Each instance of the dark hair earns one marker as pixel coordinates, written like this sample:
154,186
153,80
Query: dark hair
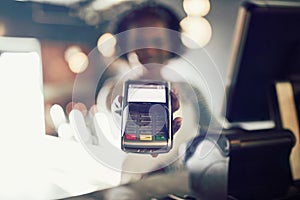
153,10
134,19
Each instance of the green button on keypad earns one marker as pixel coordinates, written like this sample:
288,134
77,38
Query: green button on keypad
160,137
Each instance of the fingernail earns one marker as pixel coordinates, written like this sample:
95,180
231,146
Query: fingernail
179,121
173,90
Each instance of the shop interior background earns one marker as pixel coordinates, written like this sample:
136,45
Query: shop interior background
59,25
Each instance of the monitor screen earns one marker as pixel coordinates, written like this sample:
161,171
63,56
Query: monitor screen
266,49
147,93
21,86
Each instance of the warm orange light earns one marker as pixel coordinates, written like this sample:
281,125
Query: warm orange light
71,51
197,31
106,44
2,29
78,62
196,7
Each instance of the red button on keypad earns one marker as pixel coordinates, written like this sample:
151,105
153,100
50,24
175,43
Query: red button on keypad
130,137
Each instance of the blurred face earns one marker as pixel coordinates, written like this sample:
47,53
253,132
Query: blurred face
154,38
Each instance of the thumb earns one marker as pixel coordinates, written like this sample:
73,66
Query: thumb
116,105
77,122
116,110
57,115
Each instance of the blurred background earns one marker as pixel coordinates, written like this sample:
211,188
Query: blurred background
69,30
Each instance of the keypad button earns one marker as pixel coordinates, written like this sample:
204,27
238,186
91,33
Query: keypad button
131,124
130,136
146,137
160,137
146,132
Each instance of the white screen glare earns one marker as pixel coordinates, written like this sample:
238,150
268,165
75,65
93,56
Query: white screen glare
21,94
147,93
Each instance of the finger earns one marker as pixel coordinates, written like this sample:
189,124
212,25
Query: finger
69,107
120,99
176,124
77,121
116,103
116,106
175,100
154,155
57,115
81,107
65,131
93,110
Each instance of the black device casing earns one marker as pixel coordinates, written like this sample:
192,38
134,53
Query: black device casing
140,143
